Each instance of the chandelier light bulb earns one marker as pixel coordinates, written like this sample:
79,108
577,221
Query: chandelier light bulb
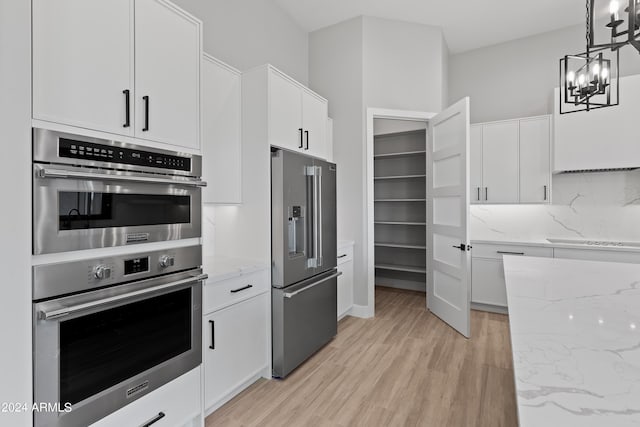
571,77
581,79
596,69
604,73
614,7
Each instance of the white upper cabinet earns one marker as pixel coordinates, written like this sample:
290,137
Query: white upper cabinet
125,67
297,116
535,145
221,137
600,139
83,63
476,190
510,161
314,123
500,162
285,113
168,54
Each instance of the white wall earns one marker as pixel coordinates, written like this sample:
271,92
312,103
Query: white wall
378,63
248,33
403,66
516,78
15,227
594,206
335,71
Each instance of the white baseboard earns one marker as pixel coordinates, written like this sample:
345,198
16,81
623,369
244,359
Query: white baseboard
345,313
236,390
363,311
490,308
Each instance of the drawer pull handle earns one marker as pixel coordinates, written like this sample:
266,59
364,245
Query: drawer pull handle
510,253
342,256
213,334
154,420
233,291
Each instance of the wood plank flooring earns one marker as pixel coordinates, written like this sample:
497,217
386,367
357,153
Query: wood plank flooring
405,367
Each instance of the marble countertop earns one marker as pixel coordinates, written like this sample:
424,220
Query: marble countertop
626,247
223,268
575,335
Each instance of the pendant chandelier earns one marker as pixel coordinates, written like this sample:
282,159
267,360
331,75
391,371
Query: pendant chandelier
589,80
620,31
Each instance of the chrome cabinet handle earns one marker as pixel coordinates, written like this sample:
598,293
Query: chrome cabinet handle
478,193
127,112
94,175
293,294
62,312
545,193
342,256
146,113
154,420
306,132
301,138
510,253
486,194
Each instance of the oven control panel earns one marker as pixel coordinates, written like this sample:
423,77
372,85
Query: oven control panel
136,265
73,149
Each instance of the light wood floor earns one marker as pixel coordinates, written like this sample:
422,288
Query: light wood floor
404,367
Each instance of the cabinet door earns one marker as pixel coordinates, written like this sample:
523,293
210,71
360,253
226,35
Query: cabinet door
238,335
534,160
285,113
221,138
477,192
314,123
345,288
488,283
168,54
83,63
500,162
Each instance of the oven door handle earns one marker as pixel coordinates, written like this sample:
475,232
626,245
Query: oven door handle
62,312
68,174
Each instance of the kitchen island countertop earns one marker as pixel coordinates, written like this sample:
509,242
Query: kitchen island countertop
575,335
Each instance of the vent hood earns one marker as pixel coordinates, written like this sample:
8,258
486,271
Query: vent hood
606,139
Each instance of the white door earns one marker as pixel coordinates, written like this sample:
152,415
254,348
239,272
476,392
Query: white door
535,167
314,123
500,162
168,54
477,191
285,113
83,63
448,256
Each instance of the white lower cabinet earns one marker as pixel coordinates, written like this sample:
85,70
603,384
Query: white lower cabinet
488,287
235,345
176,404
345,281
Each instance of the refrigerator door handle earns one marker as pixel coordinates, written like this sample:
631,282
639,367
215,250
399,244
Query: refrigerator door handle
293,294
312,258
319,234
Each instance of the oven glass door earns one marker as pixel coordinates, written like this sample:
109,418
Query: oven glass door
79,210
102,349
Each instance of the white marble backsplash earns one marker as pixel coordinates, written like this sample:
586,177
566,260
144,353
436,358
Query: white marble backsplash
595,206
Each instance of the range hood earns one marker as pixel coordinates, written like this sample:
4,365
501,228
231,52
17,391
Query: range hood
600,140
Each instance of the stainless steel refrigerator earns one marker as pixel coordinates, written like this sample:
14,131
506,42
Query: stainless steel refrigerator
303,252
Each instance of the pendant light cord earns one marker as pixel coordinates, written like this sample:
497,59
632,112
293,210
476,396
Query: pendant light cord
588,25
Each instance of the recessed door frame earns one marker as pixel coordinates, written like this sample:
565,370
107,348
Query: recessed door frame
372,114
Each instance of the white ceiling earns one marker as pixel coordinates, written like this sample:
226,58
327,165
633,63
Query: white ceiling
467,24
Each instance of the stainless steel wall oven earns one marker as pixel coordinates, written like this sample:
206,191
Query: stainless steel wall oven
108,331
93,193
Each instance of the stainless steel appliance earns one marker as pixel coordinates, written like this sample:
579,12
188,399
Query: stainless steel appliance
304,274
93,193
108,331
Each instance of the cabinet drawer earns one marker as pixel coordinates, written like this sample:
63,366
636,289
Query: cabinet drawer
226,292
598,255
487,282
345,254
497,251
178,400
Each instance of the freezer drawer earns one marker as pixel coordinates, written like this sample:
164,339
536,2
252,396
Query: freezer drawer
304,320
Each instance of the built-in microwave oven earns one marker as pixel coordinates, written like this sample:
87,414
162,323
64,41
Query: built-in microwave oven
94,193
